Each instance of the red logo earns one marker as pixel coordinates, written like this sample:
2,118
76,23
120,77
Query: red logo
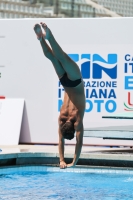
130,105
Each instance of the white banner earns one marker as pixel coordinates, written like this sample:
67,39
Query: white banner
103,50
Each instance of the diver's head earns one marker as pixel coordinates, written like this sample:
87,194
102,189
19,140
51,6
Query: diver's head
67,130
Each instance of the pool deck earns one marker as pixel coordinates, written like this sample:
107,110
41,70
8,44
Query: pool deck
48,155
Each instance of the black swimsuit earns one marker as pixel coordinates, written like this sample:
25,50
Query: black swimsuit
66,82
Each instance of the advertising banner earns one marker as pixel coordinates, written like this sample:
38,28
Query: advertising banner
108,82
102,48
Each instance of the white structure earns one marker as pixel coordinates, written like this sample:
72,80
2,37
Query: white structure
121,7
85,8
11,112
101,9
21,9
65,8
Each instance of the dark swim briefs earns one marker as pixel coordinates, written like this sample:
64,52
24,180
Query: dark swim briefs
66,82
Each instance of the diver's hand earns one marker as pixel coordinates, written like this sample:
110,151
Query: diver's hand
70,165
63,165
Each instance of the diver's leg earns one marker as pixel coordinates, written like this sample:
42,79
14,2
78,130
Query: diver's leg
48,52
67,63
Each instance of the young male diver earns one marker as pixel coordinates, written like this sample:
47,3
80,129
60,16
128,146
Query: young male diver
72,111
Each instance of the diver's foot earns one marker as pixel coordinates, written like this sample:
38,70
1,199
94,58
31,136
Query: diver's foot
38,31
47,31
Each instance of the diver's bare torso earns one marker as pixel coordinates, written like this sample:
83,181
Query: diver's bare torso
73,105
